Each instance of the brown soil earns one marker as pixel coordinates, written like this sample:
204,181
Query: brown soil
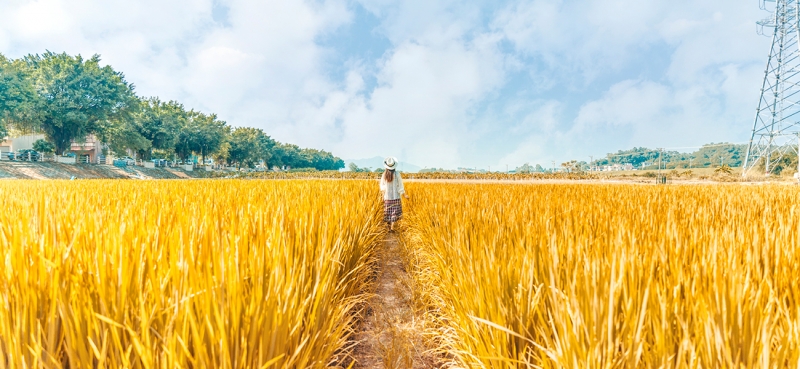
178,173
49,170
390,334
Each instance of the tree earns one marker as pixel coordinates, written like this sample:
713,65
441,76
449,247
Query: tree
707,156
266,147
571,166
248,146
338,163
159,123
287,154
724,169
68,98
243,146
636,156
44,146
76,97
354,168
17,96
202,134
293,156
122,135
712,154
321,160
525,168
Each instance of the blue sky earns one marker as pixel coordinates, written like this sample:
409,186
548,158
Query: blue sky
435,83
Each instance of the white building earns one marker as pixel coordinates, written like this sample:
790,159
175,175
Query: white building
90,147
24,142
617,167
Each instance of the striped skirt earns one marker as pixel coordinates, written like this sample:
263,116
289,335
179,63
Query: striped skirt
392,210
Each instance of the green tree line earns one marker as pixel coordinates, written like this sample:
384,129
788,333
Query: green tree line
68,98
708,156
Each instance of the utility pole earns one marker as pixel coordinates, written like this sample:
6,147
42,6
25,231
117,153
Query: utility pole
591,160
554,166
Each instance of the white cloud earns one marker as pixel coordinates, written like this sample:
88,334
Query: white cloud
4,40
43,18
420,110
584,38
260,69
707,93
80,24
645,113
424,20
597,75
628,103
539,128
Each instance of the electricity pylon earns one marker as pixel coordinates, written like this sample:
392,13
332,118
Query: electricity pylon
777,123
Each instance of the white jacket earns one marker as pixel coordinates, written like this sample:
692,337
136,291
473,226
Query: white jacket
392,190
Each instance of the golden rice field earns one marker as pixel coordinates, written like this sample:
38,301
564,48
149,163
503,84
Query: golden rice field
272,274
182,274
444,176
608,276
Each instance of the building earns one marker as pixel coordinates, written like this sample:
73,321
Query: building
617,167
88,150
24,142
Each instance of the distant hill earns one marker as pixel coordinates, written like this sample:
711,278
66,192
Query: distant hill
377,162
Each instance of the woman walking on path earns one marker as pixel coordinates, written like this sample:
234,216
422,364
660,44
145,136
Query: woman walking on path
392,188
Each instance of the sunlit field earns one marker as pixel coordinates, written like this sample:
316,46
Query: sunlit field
276,273
608,276
182,274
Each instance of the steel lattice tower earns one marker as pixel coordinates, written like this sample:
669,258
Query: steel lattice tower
777,123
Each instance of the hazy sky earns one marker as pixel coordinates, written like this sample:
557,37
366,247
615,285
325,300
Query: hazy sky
435,83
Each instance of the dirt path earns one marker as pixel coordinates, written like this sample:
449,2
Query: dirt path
178,173
390,335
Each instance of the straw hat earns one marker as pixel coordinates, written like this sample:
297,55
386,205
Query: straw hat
390,163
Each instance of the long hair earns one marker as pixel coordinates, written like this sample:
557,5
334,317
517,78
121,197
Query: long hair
388,175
